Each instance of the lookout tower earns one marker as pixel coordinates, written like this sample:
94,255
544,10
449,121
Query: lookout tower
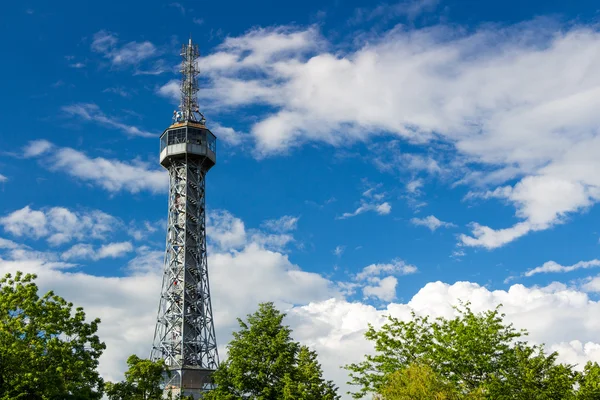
185,333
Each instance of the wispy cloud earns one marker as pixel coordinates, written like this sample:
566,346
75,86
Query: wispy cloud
284,224
396,267
83,251
371,201
381,209
117,90
36,148
132,53
551,266
339,250
431,222
91,112
387,11
3,178
77,65
474,91
179,7
110,174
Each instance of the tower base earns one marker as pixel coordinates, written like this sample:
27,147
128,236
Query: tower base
188,382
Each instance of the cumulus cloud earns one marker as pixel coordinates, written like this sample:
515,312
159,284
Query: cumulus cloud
384,288
517,102
58,224
318,312
431,222
226,231
91,112
110,174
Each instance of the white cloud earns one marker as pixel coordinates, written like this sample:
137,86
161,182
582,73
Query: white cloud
228,233
83,251
396,267
371,201
489,238
58,224
8,244
381,209
110,174
91,112
339,250
284,224
515,102
551,266
3,178
225,230
564,319
139,233
592,285
37,147
227,134
384,289
131,53
431,222
77,65
413,186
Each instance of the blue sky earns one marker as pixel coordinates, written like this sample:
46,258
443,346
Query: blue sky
366,150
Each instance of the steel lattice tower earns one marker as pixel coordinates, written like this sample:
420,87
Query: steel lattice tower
185,333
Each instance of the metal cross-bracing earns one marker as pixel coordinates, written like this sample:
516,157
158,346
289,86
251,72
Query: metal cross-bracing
189,83
185,334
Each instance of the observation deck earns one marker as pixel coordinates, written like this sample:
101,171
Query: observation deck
188,139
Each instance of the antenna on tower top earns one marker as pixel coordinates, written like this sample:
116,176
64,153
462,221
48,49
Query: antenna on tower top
188,108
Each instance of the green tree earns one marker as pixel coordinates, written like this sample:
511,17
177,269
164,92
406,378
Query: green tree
265,363
306,381
589,382
142,381
47,350
416,382
473,352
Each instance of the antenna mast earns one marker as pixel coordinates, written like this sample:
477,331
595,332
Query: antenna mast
189,84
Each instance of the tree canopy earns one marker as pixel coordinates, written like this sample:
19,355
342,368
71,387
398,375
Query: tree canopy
47,349
265,363
143,380
469,355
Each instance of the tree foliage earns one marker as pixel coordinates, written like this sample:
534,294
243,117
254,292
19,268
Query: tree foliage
142,381
265,363
477,354
420,382
47,350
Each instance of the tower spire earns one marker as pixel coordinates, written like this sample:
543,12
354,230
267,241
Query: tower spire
188,108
